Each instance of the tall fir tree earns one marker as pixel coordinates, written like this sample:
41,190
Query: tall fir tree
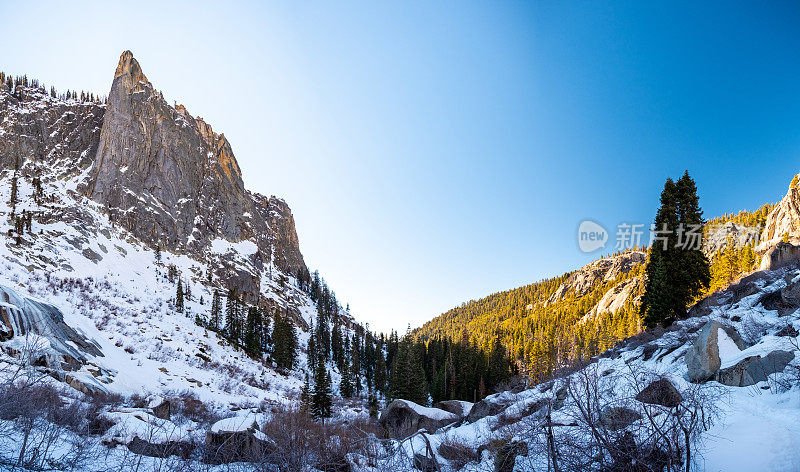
216,311
252,332
179,297
322,400
677,271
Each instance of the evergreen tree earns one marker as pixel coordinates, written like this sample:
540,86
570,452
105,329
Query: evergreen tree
306,396
346,387
284,351
677,271
407,379
252,336
380,372
322,399
233,325
216,308
179,297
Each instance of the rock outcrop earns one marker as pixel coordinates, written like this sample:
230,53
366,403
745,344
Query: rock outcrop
65,347
603,270
783,221
780,255
403,418
173,182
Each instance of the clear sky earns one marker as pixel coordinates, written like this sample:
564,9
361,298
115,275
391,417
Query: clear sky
434,151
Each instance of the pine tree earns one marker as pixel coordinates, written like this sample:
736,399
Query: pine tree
322,399
284,342
252,336
346,384
179,297
380,372
232,317
216,308
676,272
306,396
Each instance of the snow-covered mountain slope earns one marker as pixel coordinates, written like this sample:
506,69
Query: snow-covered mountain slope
743,415
97,226
109,285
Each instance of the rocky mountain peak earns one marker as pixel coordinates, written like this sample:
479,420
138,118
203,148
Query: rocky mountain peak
129,73
173,182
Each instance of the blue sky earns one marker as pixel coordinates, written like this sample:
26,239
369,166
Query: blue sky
435,152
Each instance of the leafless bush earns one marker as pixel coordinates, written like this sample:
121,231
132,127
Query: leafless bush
457,453
601,429
39,426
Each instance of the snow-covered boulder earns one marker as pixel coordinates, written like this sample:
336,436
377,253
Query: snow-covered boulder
403,418
703,358
459,408
237,439
160,407
754,369
142,433
490,406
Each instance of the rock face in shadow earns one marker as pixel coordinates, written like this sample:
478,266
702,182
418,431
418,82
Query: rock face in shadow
64,347
173,182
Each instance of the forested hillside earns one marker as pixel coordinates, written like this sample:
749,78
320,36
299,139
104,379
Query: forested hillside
551,323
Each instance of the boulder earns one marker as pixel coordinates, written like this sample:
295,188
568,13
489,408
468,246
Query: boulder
457,407
788,331
505,454
702,359
615,418
754,369
160,407
790,294
661,392
489,406
170,448
403,418
236,439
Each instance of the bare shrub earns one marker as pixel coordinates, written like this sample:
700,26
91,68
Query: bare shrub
457,453
611,431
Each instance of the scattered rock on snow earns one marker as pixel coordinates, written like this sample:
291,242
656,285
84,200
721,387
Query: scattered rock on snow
661,392
788,331
425,463
160,407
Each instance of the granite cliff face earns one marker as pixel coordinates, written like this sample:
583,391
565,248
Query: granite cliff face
158,172
173,182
